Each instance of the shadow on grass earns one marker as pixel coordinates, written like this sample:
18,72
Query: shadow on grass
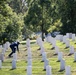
42,61
70,54
61,70
25,50
25,61
63,43
58,61
32,42
25,70
55,54
44,69
40,55
0,68
74,61
38,48
66,47
75,43
12,69
52,48
25,55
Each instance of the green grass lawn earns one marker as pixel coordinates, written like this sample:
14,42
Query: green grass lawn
37,65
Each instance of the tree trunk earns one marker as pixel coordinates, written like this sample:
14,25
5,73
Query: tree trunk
42,30
42,26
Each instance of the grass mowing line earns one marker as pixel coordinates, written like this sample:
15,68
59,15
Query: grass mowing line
21,67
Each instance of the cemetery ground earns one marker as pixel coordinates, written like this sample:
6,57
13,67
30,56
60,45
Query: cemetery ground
37,65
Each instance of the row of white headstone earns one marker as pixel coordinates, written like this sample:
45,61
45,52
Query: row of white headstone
71,50
13,61
64,39
66,68
62,67
67,36
3,49
47,67
60,54
29,57
46,62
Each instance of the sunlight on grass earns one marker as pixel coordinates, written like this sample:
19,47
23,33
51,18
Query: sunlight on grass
37,65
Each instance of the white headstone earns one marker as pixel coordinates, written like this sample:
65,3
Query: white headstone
42,50
4,50
44,56
1,47
41,44
29,70
70,35
64,39
2,57
62,65
28,42
15,56
46,63
75,56
4,46
67,34
7,45
71,49
61,38
73,37
49,39
60,56
29,62
48,70
57,37
29,53
0,64
54,42
28,50
67,43
56,49
68,70
13,64
39,41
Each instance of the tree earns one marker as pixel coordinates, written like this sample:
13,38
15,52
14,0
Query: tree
67,9
10,24
36,15
43,15
18,6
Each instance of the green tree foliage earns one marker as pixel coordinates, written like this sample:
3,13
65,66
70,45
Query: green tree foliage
40,15
36,15
67,10
43,16
18,6
10,24
54,16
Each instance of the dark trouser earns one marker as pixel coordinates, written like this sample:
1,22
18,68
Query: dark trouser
13,51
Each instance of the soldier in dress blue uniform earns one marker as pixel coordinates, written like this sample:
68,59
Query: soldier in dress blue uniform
14,47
